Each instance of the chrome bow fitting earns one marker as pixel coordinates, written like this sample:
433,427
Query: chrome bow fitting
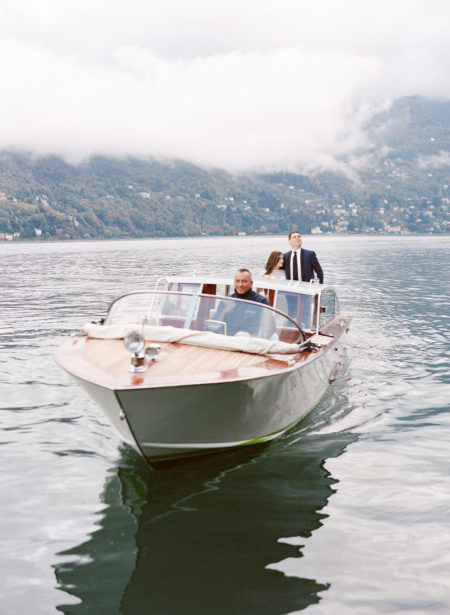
134,343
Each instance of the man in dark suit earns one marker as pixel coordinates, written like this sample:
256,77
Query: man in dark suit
301,264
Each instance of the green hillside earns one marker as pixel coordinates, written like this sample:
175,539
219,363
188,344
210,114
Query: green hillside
402,187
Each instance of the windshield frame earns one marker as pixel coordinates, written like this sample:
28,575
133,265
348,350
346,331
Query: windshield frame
191,313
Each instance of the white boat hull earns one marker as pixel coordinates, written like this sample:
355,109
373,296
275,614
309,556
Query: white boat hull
193,388
176,421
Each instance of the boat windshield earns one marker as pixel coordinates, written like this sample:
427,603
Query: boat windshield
200,312
300,307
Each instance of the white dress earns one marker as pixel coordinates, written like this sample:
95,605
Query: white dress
277,274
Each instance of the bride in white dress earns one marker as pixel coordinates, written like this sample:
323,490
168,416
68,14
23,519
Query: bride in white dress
274,266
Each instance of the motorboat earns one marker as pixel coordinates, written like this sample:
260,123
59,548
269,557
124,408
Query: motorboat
185,368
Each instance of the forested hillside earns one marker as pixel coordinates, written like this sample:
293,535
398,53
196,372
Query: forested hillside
400,185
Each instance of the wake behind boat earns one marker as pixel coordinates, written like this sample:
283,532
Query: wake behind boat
186,369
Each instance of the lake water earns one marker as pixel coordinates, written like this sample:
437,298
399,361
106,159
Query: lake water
349,513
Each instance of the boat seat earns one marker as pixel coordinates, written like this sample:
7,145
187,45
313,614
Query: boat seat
288,335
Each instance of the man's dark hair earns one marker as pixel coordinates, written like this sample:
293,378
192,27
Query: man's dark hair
292,232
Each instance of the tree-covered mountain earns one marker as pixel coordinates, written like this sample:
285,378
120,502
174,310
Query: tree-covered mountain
397,184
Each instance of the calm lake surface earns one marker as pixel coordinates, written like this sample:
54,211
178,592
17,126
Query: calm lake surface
349,513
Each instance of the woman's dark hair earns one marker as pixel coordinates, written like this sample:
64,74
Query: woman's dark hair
272,261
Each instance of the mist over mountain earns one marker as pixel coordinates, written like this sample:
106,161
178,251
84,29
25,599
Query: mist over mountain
396,182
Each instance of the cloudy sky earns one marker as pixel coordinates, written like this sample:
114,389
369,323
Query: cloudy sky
240,84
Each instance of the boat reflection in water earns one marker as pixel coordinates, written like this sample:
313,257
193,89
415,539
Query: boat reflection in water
199,537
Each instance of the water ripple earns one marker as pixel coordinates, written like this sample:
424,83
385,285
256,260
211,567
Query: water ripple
346,513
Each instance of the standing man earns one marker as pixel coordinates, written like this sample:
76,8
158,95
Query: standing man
300,264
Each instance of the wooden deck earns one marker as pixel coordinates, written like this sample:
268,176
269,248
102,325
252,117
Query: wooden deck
106,363
112,357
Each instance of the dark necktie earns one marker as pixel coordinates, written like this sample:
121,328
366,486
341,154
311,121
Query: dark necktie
295,267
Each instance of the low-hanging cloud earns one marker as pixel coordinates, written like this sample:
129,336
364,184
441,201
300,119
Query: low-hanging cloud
240,85
436,161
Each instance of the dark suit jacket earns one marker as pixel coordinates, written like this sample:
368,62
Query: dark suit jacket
242,316
310,264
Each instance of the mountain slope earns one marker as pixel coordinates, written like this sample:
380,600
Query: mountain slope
398,184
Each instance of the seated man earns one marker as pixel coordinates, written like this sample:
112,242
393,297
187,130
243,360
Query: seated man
241,316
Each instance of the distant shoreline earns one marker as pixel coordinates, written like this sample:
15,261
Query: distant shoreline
247,236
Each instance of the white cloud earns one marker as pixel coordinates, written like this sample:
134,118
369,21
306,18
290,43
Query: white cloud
436,161
287,84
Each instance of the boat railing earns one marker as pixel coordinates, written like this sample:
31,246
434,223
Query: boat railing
203,312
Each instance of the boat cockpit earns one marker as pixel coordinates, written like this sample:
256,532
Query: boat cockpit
297,309
309,305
